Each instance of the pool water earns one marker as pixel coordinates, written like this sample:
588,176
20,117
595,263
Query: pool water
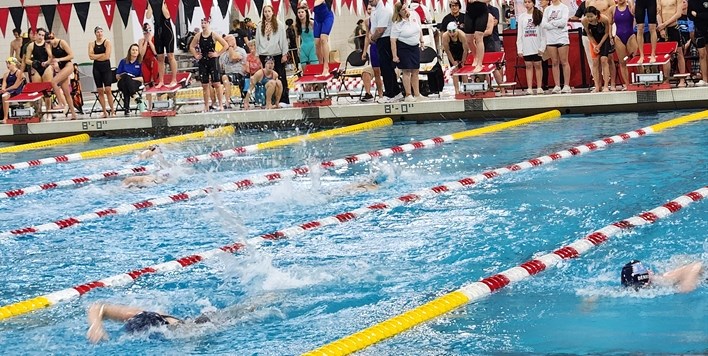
289,296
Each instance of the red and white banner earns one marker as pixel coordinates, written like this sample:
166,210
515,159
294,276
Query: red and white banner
109,10
64,11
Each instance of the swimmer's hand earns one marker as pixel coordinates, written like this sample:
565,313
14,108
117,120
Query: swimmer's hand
96,333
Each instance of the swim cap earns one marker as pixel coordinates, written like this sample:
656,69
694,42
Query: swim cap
144,321
452,26
269,59
634,274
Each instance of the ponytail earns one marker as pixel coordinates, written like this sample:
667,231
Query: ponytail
537,16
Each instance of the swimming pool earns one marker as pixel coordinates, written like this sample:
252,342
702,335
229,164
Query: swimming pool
334,281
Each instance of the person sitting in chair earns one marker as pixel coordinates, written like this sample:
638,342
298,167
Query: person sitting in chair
12,84
233,66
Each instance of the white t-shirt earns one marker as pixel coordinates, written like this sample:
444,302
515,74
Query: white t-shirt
407,32
555,24
382,17
529,37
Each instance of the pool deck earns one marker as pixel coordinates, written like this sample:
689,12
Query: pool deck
350,111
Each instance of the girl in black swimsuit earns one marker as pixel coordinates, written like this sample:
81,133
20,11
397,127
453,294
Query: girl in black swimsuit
60,57
100,53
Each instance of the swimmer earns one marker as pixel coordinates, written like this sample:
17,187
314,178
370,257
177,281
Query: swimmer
145,181
150,152
685,278
136,320
370,184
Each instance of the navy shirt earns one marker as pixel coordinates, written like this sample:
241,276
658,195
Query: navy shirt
495,12
130,68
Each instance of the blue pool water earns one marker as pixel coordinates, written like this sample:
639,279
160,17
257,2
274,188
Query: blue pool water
301,293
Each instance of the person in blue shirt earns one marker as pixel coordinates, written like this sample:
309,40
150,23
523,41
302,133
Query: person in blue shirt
129,75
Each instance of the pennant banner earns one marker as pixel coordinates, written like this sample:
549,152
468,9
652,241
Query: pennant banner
17,13
82,11
189,6
109,11
293,6
223,6
276,6
173,8
64,14
206,7
4,13
259,8
242,6
124,11
48,11
140,6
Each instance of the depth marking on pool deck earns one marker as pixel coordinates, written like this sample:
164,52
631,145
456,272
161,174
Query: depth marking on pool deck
477,290
124,279
216,155
116,150
267,178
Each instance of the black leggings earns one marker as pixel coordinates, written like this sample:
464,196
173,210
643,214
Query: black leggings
128,86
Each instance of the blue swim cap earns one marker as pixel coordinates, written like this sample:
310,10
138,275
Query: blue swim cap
144,321
380,178
634,274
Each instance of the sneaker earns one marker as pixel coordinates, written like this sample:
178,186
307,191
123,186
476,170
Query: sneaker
556,90
701,83
395,99
420,98
566,90
410,99
367,98
540,91
529,91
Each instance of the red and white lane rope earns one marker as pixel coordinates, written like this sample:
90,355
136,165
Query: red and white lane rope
237,185
43,161
493,283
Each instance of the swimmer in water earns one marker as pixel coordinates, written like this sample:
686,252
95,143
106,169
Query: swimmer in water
136,320
370,184
145,181
150,152
685,278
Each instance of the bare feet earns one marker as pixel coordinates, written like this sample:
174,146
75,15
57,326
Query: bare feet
160,85
173,83
477,68
652,58
594,91
104,115
641,58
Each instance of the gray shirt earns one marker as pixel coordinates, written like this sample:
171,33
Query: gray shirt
233,67
273,45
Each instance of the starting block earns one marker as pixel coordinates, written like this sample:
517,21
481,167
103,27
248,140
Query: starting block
26,107
313,85
479,86
168,107
651,76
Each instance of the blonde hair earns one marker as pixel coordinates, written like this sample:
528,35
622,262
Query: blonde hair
397,12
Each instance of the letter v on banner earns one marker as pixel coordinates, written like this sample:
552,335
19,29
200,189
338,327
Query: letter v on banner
109,10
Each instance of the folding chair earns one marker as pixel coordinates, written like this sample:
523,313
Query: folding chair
353,68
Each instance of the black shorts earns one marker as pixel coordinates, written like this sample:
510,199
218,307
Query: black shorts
102,74
533,58
701,37
557,45
674,35
476,17
164,38
209,71
490,45
642,6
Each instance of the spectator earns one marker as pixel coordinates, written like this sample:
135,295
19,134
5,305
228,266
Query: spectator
455,47
129,75
455,16
254,63
305,32
271,42
250,28
491,40
381,23
699,14
164,39
530,44
578,16
324,20
100,53
599,29
148,64
233,66
292,41
12,84
359,35
16,44
208,62
60,57
476,20
372,53
264,87
241,35
406,41
555,25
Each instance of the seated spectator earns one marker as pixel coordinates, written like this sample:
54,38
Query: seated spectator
254,62
233,66
12,84
129,75
265,86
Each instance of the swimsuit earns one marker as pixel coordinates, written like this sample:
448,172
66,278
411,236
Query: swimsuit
208,69
59,52
102,73
324,20
149,65
307,47
10,81
164,36
456,49
39,55
625,24
476,17
597,31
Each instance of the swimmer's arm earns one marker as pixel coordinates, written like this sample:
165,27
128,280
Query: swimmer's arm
685,278
99,311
